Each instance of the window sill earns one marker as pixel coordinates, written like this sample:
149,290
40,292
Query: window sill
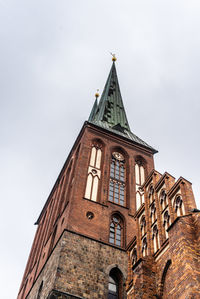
96,202
118,205
116,246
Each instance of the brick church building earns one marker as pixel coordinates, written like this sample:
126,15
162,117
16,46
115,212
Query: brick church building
113,226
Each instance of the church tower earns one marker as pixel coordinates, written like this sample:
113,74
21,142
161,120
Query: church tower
114,227
79,250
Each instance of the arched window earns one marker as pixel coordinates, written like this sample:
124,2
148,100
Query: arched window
163,199
115,284
179,206
134,256
139,180
117,179
166,222
151,192
153,212
94,173
144,247
139,172
163,283
143,226
155,238
116,231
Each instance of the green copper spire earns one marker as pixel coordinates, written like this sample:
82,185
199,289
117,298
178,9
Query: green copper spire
111,109
110,113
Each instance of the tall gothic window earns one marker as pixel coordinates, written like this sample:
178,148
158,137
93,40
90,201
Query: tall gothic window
139,180
179,206
94,173
166,222
144,247
151,193
116,231
155,238
115,284
117,179
163,199
153,212
143,226
134,256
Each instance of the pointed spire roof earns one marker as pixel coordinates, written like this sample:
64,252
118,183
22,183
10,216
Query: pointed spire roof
111,108
110,113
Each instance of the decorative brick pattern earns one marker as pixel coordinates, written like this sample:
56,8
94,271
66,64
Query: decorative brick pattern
174,271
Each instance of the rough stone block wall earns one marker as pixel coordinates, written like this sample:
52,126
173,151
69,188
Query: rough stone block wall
59,295
47,275
80,266
84,266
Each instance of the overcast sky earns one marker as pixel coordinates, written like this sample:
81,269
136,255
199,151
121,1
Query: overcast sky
54,54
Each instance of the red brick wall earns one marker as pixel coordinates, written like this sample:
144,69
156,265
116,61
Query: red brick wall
66,207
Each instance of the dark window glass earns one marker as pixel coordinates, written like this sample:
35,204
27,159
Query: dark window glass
116,231
122,173
117,179
121,195
112,288
116,192
111,195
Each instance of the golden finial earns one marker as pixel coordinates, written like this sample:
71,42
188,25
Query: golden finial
113,57
97,94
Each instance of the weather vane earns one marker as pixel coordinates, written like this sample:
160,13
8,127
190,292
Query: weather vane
113,57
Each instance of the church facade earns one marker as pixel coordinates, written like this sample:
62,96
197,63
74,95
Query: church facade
113,226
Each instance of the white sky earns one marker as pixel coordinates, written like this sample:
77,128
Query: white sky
53,56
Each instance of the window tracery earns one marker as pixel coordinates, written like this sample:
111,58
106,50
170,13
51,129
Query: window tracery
94,172
117,179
